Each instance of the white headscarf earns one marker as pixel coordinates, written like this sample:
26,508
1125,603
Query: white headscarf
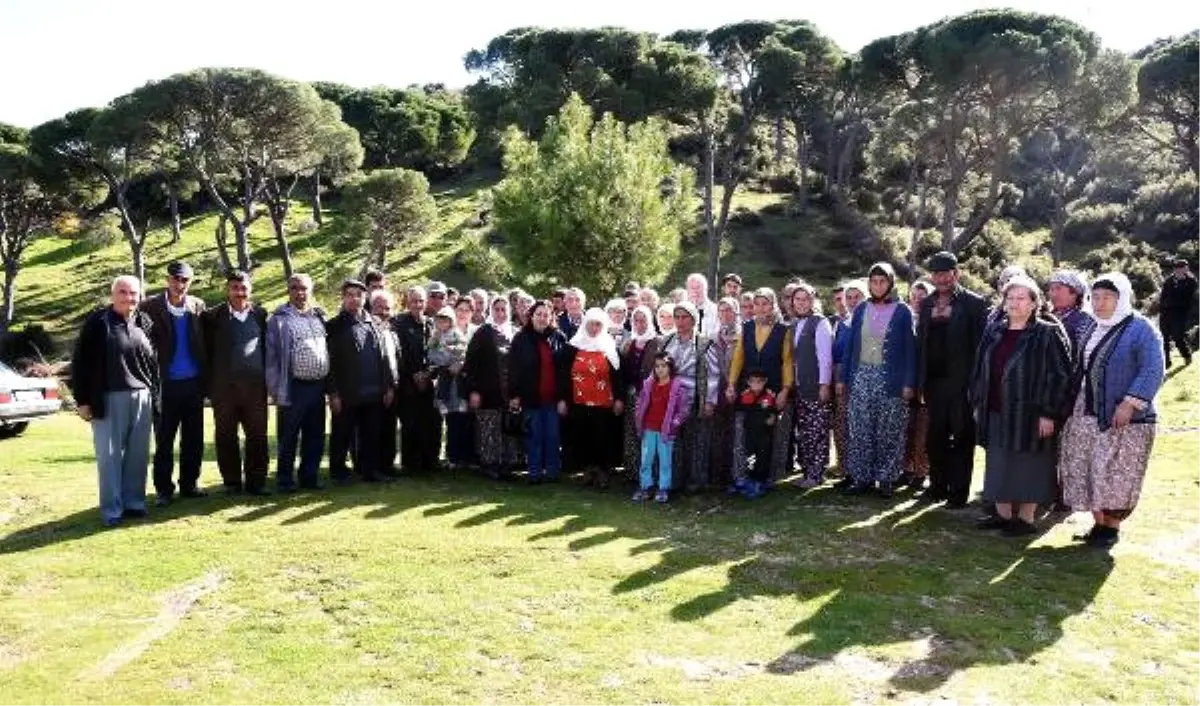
649,334
1124,299
602,343
505,329
668,308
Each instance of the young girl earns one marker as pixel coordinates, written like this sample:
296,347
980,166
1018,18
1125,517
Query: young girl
447,350
661,410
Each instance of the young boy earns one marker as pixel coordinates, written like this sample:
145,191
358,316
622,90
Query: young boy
758,416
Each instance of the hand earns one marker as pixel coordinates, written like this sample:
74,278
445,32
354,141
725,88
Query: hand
514,405
730,394
335,404
618,408
389,397
708,409
84,412
562,409
421,380
1123,415
474,400
823,393
781,401
455,369
841,389
907,394
1045,428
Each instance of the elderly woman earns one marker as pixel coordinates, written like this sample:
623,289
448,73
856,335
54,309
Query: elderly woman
637,362
534,362
485,380
725,341
916,459
766,347
1107,442
1022,372
746,307
696,366
666,319
594,397
853,294
879,372
648,298
812,357
460,436
617,313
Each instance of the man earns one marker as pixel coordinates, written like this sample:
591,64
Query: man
235,337
435,297
731,285
558,301
420,422
1175,304
114,379
839,306
697,364
697,294
632,302
362,381
949,328
571,319
179,344
382,305
479,306
375,280
297,367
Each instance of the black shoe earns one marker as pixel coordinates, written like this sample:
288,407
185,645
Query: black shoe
1019,528
857,489
312,486
391,473
233,490
844,483
904,479
193,493
1087,536
886,490
956,504
917,483
133,514
994,522
164,501
258,492
343,480
1105,538
931,495
1187,361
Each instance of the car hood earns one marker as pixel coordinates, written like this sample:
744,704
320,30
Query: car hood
16,382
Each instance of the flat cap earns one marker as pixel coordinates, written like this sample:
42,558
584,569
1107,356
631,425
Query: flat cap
943,261
179,268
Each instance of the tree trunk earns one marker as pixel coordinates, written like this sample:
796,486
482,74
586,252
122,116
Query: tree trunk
223,244
830,166
135,239
844,159
802,158
918,220
173,202
982,215
12,266
316,198
710,230
241,245
137,250
950,215
779,156
285,253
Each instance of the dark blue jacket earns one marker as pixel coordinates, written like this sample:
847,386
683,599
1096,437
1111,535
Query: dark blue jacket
899,349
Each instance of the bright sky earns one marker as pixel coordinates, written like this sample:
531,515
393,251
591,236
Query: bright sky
58,55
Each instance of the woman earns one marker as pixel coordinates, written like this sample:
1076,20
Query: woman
533,374
1022,372
878,375
916,460
666,319
523,303
746,307
485,378
649,299
853,294
1107,442
637,363
616,313
728,334
594,389
767,347
460,437
812,356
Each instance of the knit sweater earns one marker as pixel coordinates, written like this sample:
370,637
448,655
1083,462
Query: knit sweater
1130,363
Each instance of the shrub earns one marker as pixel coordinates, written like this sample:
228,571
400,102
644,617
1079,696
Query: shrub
1137,261
29,342
745,217
1096,224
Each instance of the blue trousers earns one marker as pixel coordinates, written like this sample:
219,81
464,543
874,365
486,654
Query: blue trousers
655,446
543,440
122,443
301,423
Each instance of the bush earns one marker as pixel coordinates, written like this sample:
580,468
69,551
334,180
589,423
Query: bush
1137,261
745,217
783,184
774,209
1096,224
1165,211
28,342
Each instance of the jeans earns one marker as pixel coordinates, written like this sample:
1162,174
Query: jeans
182,412
654,445
122,444
543,442
302,423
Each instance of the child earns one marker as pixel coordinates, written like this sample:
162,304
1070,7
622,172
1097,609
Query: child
447,350
758,416
661,409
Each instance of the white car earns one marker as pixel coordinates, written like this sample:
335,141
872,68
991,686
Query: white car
23,399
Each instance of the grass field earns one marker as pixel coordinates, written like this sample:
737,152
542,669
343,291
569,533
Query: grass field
456,589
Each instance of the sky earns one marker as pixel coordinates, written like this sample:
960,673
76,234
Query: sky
59,55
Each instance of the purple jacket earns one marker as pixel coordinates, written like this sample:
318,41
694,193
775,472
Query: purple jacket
677,407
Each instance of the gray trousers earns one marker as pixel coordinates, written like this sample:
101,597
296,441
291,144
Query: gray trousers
122,441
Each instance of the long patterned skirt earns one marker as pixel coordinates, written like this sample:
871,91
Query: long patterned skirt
916,459
839,424
721,458
812,438
691,455
782,456
878,426
632,445
495,449
1103,470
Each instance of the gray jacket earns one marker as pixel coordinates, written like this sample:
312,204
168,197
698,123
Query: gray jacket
279,352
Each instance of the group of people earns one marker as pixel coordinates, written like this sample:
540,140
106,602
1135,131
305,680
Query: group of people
687,394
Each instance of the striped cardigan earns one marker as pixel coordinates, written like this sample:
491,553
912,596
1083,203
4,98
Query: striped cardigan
1036,381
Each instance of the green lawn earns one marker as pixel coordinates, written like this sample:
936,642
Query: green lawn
456,589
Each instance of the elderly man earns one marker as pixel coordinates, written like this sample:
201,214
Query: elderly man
697,363
420,422
571,319
382,305
436,294
297,367
362,382
114,379
731,285
178,341
697,294
1175,304
949,327
235,337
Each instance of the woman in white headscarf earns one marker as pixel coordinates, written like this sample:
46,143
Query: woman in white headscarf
592,368
1107,442
617,313
666,319
637,362
485,380
854,293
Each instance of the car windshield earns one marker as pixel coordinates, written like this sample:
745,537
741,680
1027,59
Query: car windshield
6,371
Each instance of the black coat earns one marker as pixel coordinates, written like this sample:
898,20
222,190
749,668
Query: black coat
1177,298
481,368
218,342
634,375
345,372
413,337
524,364
1037,379
89,362
948,406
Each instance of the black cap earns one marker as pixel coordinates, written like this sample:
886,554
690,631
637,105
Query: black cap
632,292
237,276
1180,262
349,283
179,268
436,287
732,277
943,261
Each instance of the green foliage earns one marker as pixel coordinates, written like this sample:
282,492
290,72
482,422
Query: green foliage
1138,261
1096,224
594,203
387,207
1168,86
485,263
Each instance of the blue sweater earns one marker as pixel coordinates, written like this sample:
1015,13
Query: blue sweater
182,366
899,349
1133,367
